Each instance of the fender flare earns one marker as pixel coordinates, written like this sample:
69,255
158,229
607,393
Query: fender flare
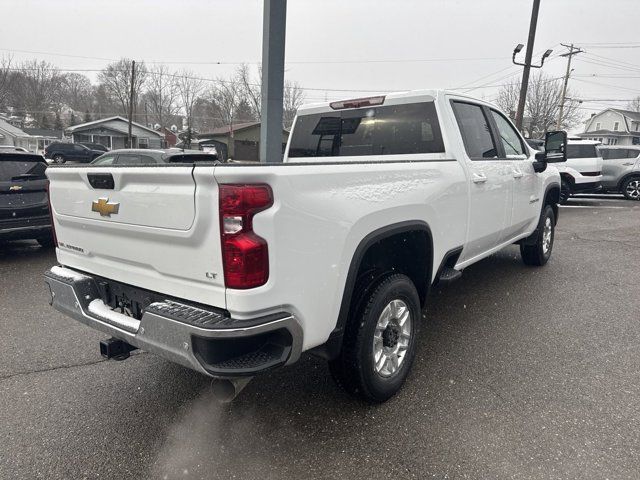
356,261
533,238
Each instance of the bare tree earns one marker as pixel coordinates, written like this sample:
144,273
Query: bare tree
293,98
293,94
634,105
507,98
190,88
77,91
6,80
542,105
37,90
226,95
162,95
250,89
116,78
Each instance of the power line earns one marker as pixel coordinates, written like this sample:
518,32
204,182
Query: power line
254,62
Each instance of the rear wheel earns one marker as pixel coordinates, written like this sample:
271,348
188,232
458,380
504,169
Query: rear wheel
539,253
58,158
631,189
379,343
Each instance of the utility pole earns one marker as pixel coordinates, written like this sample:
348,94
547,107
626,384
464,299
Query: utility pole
131,99
569,54
527,64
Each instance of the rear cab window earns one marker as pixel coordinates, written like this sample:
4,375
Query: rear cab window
401,129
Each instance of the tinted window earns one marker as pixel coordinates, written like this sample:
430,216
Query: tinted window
80,148
508,136
474,127
614,154
581,151
386,130
104,160
135,159
10,169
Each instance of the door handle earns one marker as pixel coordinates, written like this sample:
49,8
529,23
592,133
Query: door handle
628,164
517,174
479,178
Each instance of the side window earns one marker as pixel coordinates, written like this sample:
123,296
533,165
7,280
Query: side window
476,134
132,159
614,153
79,148
106,160
508,136
633,153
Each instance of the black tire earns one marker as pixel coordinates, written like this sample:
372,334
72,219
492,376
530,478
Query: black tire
59,159
631,188
565,191
46,242
539,253
355,368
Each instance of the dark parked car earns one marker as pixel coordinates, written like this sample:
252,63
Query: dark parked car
95,146
61,152
24,206
143,156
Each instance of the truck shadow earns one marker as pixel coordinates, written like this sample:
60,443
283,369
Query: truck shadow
24,250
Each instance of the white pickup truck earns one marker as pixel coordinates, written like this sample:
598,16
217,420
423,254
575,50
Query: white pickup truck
235,269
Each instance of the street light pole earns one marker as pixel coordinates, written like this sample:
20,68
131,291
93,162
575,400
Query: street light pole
273,43
527,64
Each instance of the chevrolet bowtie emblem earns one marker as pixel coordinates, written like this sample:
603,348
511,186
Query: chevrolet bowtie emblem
14,188
104,208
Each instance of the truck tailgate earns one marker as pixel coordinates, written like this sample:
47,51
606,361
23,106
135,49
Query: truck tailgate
153,227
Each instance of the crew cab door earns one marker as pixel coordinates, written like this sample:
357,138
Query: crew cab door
525,208
490,180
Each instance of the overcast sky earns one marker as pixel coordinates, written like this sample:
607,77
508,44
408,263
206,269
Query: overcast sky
349,44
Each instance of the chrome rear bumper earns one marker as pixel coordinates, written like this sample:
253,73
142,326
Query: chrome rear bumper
204,340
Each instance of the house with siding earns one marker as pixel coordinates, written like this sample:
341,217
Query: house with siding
113,133
240,141
12,135
613,126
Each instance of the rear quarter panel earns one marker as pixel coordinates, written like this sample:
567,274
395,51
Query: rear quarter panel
322,212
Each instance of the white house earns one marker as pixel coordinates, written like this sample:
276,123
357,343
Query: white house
613,127
112,132
10,135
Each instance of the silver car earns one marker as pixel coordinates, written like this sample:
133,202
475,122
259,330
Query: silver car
621,170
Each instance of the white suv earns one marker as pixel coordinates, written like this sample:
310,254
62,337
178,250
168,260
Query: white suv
582,172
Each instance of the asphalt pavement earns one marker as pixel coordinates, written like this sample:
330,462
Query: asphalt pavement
522,373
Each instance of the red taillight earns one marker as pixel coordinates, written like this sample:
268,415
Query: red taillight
245,255
53,227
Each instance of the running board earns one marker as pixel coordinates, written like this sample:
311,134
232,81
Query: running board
449,275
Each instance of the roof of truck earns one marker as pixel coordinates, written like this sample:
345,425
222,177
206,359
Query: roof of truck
425,95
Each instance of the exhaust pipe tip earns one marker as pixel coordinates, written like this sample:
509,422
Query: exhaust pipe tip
226,389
